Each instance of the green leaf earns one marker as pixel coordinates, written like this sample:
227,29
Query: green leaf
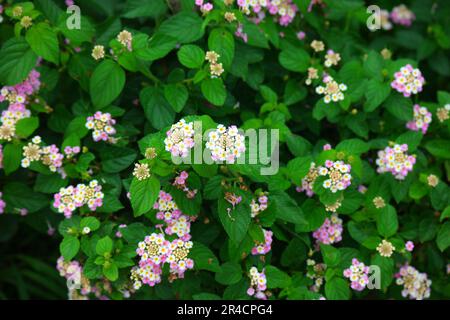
276,278
77,36
191,56
298,145
144,8
49,183
106,83
26,126
222,42
69,247
387,223
177,95
443,237
376,94
386,266
185,26
16,61
12,156
90,222
331,255
399,107
111,271
439,148
286,208
214,91
353,146
157,110
411,138
116,159
229,273
104,245
294,59
44,42
235,222
337,289
144,194
373,65
13,195
204,258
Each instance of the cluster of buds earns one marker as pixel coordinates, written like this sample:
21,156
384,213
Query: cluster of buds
358,273
2,204
338,174
402,15
177,222
126,39
70,152
102,126
384,20
154,252
308,181
396,161
259,205
141,171
78,285
332,58
70,198
98,52
416,285
421,121
408,81
258,284
18,97
443,113
332,90
204,7
385,248
180,138
48,155
312,75
226,144
265,247
330,232
215,68
180,183
316,272
283,10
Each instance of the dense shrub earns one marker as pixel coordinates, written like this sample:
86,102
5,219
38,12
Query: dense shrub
96,120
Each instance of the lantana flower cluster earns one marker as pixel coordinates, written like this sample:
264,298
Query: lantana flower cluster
358,273
67,200
154,252
102,125
2,204
73,272
70,152
180,138
204,6
226,144
258,284
48,155
181,183
308,181
177,222
402,15
332,90
330,232
416,285
316,272
259,205
396,161
265,247
338,174
215,67
408,81
421,121
283,10
18,97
